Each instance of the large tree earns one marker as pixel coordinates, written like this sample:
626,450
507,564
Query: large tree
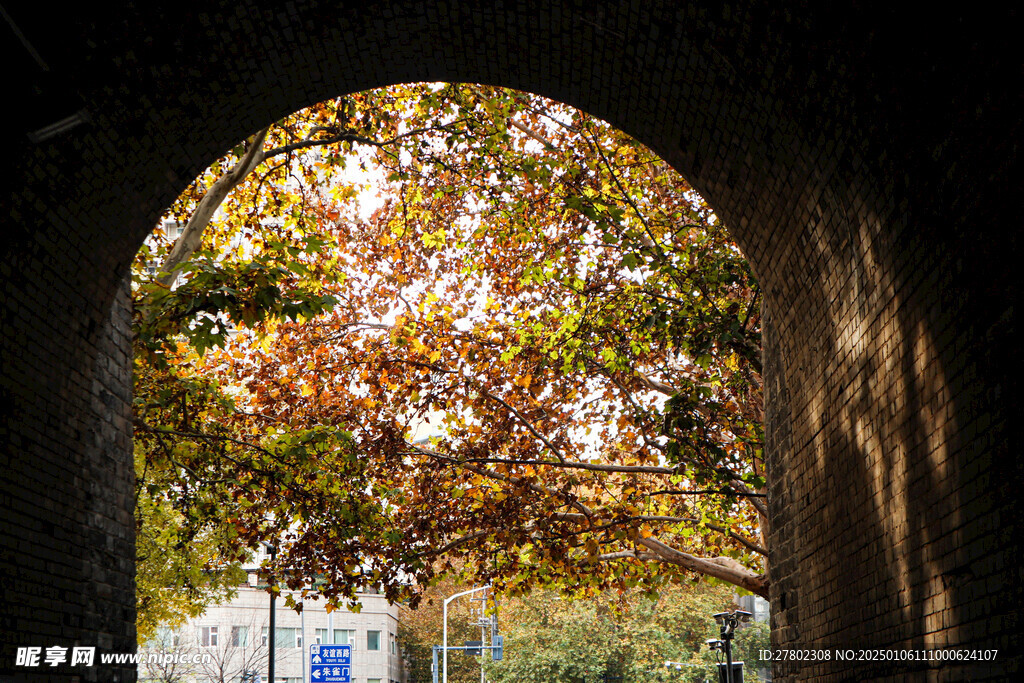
552,638
538,357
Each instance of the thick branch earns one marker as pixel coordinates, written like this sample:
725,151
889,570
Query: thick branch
740,538
724,568
536,136
192,236
655,385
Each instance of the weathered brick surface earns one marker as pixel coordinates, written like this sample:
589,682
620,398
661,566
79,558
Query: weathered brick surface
863,157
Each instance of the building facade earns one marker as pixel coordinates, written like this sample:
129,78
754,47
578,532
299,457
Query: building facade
230,642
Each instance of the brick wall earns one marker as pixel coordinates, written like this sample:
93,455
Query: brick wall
863,157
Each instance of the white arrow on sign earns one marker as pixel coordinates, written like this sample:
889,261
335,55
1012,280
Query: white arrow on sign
316,659
316,673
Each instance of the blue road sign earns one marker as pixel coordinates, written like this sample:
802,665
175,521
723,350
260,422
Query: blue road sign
330,663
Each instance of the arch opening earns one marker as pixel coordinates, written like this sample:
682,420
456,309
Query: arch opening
564,308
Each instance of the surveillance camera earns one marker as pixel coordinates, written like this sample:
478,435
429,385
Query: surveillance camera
743,616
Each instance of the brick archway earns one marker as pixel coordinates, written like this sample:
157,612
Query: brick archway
861,162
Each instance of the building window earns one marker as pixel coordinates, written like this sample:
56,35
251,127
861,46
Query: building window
168,637
173,229
345,637
208,636
239,636
321,636
283,637
373,640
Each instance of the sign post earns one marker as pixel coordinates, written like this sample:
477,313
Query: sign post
330,663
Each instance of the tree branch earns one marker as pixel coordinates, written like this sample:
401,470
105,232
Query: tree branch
191,237
740,538
454,544
526,422
536,488
724,568
568,464
536,136
655,385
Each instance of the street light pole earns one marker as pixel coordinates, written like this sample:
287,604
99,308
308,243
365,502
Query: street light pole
727,622
483,632
302,632
728,660
445,611
272,641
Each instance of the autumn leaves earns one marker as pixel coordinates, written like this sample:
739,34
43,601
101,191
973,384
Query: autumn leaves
568,316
